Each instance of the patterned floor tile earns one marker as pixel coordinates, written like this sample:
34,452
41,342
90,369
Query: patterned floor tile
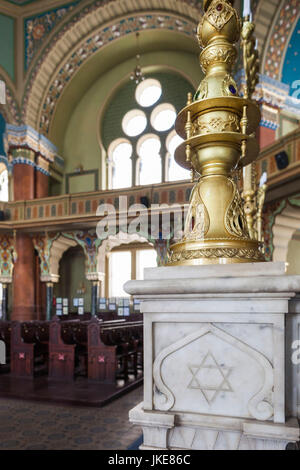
38,426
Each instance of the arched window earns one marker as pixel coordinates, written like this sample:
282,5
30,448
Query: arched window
174,171
120,153
144,154
3,183
149,170
128,262
4,191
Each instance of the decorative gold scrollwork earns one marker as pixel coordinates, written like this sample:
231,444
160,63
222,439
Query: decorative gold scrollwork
216,124
235,221
219,14
211,253
197,221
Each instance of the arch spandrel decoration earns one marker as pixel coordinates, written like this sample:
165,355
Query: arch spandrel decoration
6,258
85,36
288,211
10,110
286,224
281,28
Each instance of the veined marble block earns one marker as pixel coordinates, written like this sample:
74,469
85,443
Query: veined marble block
220,357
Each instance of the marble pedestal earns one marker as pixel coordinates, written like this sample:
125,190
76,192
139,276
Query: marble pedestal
220,368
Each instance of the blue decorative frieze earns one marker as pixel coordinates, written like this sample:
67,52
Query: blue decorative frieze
268,124
22,136
23,161
42,170
29,138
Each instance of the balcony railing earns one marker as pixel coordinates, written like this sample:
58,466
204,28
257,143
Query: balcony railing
82,207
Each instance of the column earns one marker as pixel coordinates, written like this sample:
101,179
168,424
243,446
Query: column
49,301
42,178
24,280
31,154
23,173
272,96
97,280
4,302
268,126
94,303
24,272
23,145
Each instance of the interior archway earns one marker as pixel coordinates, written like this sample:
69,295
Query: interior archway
72,281
286,224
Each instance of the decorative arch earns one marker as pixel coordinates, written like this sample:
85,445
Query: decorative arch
10,110
264,13
281,28
271,211
85,36
113,241
58,248
286,224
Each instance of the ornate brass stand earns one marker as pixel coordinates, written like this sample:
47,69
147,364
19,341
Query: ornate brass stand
218,126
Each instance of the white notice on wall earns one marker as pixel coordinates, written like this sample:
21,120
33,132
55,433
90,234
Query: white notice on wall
2,93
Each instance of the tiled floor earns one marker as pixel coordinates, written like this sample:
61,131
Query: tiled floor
44,426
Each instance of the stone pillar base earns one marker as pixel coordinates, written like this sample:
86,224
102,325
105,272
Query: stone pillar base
220,357
202,432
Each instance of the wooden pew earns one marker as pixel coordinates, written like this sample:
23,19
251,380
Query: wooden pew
112,351
29,353
68,348
61,351
5,334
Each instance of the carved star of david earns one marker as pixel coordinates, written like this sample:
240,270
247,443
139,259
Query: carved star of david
210,378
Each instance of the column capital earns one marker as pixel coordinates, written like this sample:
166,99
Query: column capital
42,165
26,138
95,276
273,93
50,278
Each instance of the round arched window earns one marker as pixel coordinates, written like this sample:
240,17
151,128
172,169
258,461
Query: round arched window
149,141
134,122
163,117
148,92
120,152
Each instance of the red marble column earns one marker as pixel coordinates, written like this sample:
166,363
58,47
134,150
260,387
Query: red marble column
42,178
266,136
24,269
41,184
24,280
23,177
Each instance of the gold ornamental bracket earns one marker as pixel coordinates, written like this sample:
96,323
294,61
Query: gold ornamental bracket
218,127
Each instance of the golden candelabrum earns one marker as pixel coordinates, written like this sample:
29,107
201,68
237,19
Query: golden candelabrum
218,126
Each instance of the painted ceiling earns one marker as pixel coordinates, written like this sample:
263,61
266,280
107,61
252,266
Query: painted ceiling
291,67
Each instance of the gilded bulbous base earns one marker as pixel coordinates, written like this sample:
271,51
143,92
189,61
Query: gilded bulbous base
216,230
215,252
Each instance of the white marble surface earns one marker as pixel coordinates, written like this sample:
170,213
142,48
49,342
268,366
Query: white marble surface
212,285
231,270
212,435
216,357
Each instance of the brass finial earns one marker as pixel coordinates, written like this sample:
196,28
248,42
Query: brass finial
218,127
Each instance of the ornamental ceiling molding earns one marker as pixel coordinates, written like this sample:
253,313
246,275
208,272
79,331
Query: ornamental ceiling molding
84,35
277,42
